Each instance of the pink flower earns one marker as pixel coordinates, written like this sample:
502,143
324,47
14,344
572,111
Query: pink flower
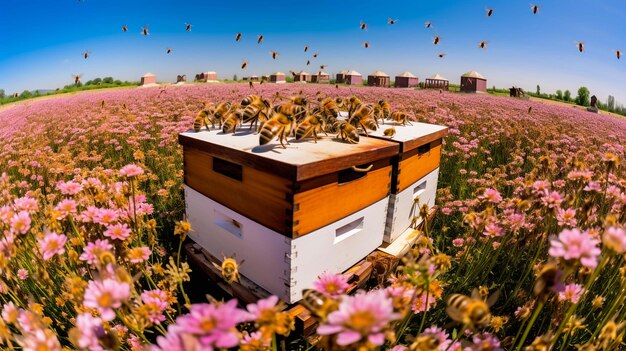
69,188
66,207
484,341
138,254
131,170
40,339
331,285
157,301
117,231
20,222
26,204
458,242
213,324
89,327
105,296
105,216
257,310
52,244
423,303
492,195
255,338
93,250
571,293
566,217
492,230
442,337
364,315
615,239
22,274
399,348
576,245
552,199
10,312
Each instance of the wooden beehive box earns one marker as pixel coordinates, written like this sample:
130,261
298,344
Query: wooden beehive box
292,213
415,175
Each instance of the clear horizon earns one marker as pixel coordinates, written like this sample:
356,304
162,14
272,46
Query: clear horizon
43,43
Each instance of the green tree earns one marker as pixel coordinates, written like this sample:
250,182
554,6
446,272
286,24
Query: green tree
97,81
25,94
2,94
559,95
107,80
567,96
583,96
610,103
235,78
538,90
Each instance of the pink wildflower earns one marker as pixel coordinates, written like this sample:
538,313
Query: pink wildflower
492,230
105,216
105,296
138,254
89,326
364,315
458,242
66,207
566,217
157,302
20,222
442,337
615,239
117,231
22,274
93,250
26,204
331,285
69,188
576,245
492,195
40,339
131,170
10,312
571,293
552,199
52,244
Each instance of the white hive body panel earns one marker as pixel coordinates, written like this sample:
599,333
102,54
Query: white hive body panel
402,206
281,265
408,132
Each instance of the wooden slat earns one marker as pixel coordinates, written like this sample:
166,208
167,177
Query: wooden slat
415,143
412,169
319,207
259,196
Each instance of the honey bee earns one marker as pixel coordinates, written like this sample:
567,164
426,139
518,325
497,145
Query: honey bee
318,304
483,44
386,109
144,30
188,27
581,46
347,132
472,311
249,99
274,54
278,126
299,100
366,44
436,39
363,25
202,118
86,54
489,11
230,270
390,132
618,54
231,121
425,343
168,50
363,117
441,55
428,24
76,78
391,21
401,117
259,39
291,109
535,8
351,104
125,28
546,280
315,55
308,62
312,124
328,107
256,110
306,48
221,110
238,36
244,64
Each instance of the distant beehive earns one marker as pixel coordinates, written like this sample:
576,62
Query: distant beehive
181,78
210,76
353,78
148,78
473,82
277,77
254,78
378,79
406,80
320,77
340,78
302,76
437,82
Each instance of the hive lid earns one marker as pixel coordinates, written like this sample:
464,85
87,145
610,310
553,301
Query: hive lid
379,74
304,73
149,75
411,136
406,74
352,73
473,74
278,73
437,77
299,161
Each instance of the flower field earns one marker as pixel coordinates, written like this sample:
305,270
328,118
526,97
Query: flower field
532,213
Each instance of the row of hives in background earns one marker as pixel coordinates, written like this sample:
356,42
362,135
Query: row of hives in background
470,82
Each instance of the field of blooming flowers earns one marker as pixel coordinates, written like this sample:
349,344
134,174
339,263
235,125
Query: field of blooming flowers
532,209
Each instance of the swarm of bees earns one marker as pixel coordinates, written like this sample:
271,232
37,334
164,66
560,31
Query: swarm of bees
299,116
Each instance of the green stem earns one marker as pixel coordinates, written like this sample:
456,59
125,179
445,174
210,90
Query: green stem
530,325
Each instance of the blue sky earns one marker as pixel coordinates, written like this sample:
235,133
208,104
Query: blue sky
42,42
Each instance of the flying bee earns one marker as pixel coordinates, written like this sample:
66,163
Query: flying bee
401,117
315,55
363,25
306,48
308,62
231,121
76,78
238,36
472,311
580,46
391,21
428,24
390,132
125,28
260,39
483,44
489,11
244,64
312,124
230,270
278,126
363,117
144,30
436,40
202,118
347,132
618,54
441,55
168,50
86,54
318,304
366,44
425,343
322,67
535,8
547,279
274,54
188,27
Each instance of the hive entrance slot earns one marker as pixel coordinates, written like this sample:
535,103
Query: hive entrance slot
227,168
352,174
349,230
228,224
423,149
419,190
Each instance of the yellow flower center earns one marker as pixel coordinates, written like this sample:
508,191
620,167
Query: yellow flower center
42,347
207,325
332,287
105,300
361,320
